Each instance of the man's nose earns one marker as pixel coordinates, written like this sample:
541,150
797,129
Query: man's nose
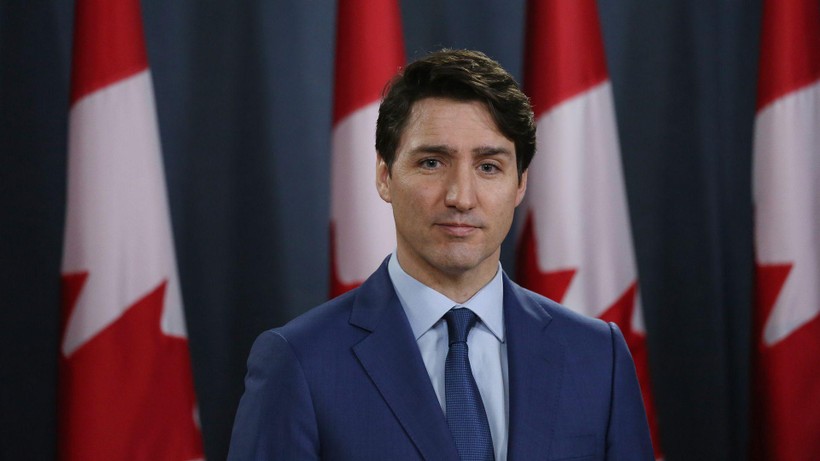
461,190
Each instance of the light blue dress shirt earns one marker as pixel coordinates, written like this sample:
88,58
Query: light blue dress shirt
425,308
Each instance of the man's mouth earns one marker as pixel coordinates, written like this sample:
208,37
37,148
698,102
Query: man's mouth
457,229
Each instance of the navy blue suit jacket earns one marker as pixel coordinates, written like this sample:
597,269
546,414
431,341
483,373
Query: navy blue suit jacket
346,381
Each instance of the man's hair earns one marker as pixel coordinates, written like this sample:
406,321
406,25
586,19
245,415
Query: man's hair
460,75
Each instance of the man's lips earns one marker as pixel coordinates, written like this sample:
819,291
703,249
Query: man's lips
457,229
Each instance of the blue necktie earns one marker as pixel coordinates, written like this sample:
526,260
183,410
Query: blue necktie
465,411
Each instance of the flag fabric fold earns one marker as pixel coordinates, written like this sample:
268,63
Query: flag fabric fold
576,245
126,388
369,51
786,192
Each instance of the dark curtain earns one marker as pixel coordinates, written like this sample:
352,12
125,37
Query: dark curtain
244,91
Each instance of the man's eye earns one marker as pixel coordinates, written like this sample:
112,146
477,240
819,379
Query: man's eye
488,168
430,163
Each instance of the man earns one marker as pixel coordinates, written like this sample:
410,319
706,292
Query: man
438,355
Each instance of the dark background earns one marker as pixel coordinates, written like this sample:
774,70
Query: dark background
244,93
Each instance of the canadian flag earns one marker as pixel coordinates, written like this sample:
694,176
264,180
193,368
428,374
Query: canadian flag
576,245
369,51
126,390
786,182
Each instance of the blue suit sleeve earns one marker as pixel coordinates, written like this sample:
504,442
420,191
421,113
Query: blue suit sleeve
628,434
275,419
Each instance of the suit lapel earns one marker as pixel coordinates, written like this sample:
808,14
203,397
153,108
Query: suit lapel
536,365
391,358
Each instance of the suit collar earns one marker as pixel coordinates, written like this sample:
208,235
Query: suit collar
391,358
536,365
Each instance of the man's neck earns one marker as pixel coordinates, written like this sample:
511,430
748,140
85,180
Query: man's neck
459,286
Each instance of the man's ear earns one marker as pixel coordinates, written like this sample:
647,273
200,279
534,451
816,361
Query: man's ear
522,188
382,178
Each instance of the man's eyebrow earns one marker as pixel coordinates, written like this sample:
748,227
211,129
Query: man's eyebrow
433,149
483,151
487,151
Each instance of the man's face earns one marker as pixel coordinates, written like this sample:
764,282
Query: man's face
454,187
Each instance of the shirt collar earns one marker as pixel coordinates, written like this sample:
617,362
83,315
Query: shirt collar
425,306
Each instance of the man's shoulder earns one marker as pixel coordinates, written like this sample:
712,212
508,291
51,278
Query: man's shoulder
566,318
336,320
319,320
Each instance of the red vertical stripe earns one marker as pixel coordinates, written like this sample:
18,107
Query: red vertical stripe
369,51
789,48
563,41
109,44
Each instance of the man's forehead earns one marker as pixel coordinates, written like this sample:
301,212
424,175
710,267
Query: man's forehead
424,105
433,120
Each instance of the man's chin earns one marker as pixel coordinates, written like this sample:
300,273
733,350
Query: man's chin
460,264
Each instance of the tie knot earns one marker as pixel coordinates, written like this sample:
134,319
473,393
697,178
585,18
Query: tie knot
459,323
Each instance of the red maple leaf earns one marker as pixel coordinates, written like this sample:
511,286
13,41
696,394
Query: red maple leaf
128,392
554,285
786,405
